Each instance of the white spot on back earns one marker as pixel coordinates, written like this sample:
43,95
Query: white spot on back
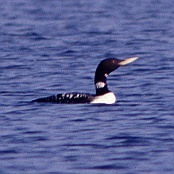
71,95
63,95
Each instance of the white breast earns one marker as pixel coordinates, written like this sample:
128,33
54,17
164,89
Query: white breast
108,98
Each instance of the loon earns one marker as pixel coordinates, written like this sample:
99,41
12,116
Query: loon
103,95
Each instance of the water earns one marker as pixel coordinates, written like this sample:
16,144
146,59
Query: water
50,47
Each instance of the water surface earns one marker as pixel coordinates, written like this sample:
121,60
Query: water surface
50,47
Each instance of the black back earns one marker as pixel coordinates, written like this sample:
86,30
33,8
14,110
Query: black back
67,98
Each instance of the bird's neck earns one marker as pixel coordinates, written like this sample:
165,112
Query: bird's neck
101,88
101,84
100,81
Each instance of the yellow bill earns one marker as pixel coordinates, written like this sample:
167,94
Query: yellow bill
127,61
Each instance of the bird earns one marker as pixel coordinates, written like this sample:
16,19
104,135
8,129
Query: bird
103,94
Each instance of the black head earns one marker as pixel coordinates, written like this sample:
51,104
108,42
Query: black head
105,67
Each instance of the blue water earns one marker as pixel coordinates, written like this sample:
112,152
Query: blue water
50,47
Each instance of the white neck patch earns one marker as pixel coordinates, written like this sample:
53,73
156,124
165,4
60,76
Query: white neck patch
100,85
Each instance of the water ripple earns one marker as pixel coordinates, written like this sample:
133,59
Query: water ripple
50,47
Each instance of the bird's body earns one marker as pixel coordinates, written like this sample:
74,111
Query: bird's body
103,95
